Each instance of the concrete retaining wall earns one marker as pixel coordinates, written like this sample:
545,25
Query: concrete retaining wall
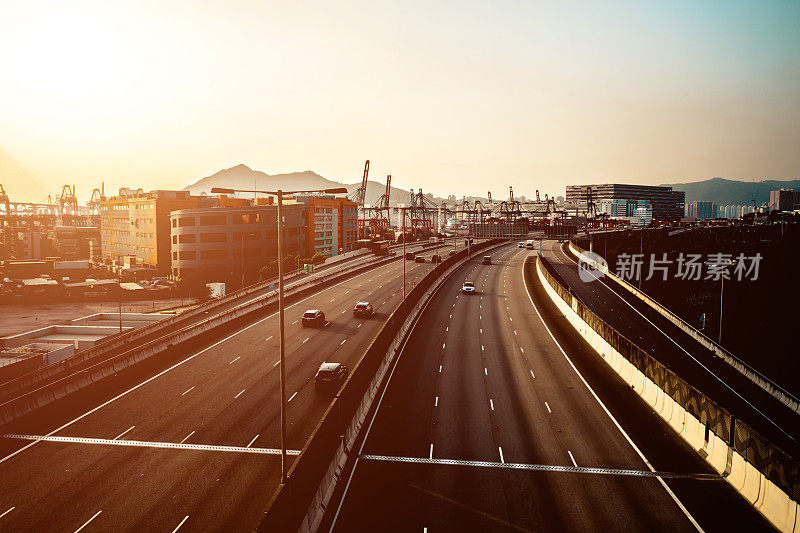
771,500
752,374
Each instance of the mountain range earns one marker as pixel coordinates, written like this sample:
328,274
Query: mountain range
732,192
243,177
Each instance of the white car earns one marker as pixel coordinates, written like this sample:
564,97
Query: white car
520,245
468,287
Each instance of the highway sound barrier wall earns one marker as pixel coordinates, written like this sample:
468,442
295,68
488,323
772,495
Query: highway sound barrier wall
300,504
765,475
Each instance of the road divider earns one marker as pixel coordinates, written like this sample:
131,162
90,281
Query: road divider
761,472
778,392
300,503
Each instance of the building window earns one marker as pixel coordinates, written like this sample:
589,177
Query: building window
249,218
213,237
186,238
239,236
188,255
186,221
214,254
215,220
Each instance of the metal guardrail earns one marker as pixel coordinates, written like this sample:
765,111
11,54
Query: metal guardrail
151,340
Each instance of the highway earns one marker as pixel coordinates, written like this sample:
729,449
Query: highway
682,354
192,446
491,423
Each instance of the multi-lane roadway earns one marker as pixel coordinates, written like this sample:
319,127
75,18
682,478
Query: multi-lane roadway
497,417
193,446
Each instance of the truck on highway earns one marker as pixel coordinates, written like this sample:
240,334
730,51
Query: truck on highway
529,244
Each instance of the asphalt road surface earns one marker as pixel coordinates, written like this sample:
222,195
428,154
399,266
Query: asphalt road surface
487,425
193,446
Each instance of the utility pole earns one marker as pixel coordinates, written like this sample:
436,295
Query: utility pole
281,322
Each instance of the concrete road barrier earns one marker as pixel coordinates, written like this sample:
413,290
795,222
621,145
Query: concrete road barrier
777,503
778,392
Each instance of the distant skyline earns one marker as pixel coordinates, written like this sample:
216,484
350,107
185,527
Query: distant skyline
454,98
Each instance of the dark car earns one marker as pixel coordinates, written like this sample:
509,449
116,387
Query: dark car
330,375
419,259
363,309
313,317
436,258
487,260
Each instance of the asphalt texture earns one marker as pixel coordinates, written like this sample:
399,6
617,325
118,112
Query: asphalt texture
161,461
487,425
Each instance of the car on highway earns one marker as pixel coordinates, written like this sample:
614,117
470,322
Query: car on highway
330,376
436,258
452,252
468,287
520,245
419,259
487,260
313,317
363,309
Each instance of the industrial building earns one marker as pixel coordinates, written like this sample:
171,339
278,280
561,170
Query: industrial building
666,203
233,242
135,226
333,224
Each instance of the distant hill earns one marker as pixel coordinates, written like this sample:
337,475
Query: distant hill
243,177
19,184
732,192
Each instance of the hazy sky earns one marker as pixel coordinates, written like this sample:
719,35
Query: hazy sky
455,96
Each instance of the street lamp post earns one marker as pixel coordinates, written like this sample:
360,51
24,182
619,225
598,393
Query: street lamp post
279,193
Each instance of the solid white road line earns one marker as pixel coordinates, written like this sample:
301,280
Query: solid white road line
614,420
548,407
8,511
239,394
252,441
185,518
186,437
235,360
124,432
291,397
87,522
187,391
572,458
